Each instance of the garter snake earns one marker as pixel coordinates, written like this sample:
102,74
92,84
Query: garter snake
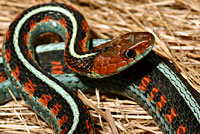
58,105
153,82
128,83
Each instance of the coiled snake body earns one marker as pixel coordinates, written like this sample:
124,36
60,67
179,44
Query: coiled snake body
153,82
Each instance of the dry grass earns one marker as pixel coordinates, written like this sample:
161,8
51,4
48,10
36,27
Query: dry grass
176,25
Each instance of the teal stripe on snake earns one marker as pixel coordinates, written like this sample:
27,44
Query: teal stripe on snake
40,75
37,73
191,102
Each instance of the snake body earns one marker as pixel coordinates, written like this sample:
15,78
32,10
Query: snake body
51,99
153,82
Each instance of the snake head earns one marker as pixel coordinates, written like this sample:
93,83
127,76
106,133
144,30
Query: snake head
121,53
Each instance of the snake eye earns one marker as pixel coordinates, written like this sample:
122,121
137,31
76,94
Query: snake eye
129,54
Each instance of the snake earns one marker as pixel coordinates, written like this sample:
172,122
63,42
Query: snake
52,100
123,66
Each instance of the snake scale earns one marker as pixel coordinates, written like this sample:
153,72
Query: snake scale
122,66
